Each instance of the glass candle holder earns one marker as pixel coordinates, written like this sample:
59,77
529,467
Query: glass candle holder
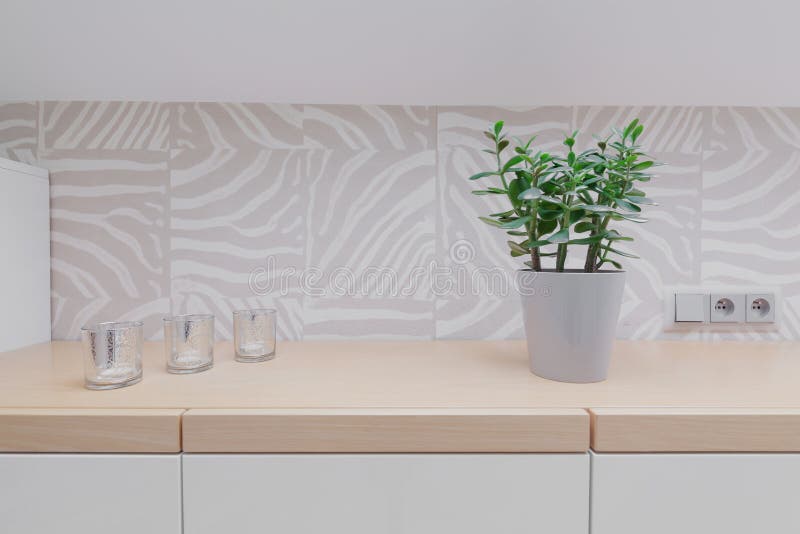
112,354
189,343
254,334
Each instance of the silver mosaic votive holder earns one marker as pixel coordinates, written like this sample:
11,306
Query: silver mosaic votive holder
254,334
189,343
112,354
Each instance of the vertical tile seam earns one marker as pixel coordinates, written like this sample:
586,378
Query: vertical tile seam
437,222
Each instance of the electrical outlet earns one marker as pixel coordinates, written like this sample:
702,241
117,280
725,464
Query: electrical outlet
760,307
727,308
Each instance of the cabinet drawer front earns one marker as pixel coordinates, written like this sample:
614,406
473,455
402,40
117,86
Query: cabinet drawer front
387,430
90,494
386,493
695,493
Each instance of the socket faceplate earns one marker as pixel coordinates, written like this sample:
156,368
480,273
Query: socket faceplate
727,307
760,307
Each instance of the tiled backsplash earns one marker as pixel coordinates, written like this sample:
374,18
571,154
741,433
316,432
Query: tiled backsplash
357,221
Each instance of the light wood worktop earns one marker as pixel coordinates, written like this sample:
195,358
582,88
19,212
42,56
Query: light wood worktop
467,396
433,374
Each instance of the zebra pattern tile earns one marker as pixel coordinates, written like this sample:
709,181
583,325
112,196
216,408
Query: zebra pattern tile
470,317
70,314
751,226
237,221
464,125
371,222
749,128
109,236
229,125
184,207
104,126
466,242
666,129
668,245
367,318
370,127
18,131
289,311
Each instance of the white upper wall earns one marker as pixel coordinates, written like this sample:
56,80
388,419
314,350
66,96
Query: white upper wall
677,52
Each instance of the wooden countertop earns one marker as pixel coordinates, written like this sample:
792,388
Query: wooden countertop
470,384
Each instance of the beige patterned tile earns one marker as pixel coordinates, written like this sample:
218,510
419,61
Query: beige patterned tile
18,131
371,219
241,125
668,245
367,318
237,221
470,317
289,311
370,127
666,128
69,314
751,226
108,223
464,125
104,126
465,244
752,128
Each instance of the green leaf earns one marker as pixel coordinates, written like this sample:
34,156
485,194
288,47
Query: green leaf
587,240
613,235
629,217
562,236
489,135
640,200
571,158
584,226
531,194
508,213
498,127
594,209
629,128
619,252
490,191
483,175
510,163
515,187
576,215
491,222
630,206
637,132
548,214
642,166
502,145
516,223
516,249
616,264
545,227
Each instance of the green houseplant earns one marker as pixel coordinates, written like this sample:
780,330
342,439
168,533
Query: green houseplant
556,203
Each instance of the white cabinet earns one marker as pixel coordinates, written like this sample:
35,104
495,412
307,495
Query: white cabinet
90,494
695,493
25,242
386,493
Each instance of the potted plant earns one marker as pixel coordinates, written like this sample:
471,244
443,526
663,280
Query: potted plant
558,202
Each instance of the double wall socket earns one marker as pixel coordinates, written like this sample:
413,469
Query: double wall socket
721,306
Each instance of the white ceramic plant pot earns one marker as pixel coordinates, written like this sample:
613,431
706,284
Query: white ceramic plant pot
570,322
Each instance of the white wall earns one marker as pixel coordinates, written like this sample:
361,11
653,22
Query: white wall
676,52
